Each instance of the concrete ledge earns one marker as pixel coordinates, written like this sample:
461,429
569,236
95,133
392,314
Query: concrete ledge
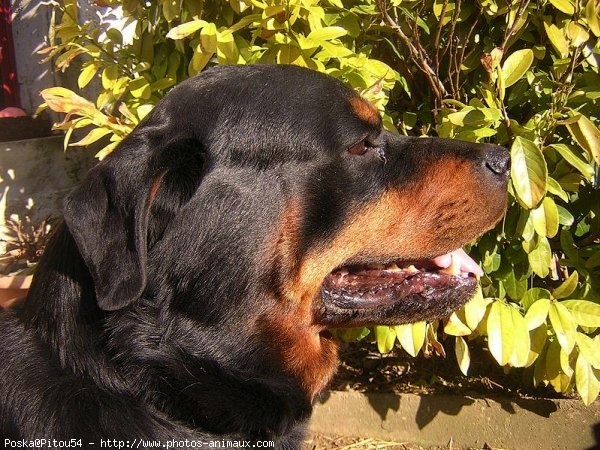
432,420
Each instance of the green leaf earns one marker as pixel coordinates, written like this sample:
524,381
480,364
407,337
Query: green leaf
103,153
582,166
537,337
115,36
537,313
556,189
411,336
577,34
587,136
559,380
567,287
455,326
227,49
185,29
584,312
438,7
515,286
528,172
162,84
564,325
199,61
521,343
586,380
288,54
326,34
475,309
545,218
461,350
500,331
208,39
109,76
589,349
564,5
565,218
557,38
87,74
592,14
533,295
140,88
352,334
91,137
516,65
540,257
539,371
385,337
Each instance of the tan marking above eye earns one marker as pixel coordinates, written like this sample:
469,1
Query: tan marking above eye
365,110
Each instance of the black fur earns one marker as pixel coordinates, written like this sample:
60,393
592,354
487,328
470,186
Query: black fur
143,320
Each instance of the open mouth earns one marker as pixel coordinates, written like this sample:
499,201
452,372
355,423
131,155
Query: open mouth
424,285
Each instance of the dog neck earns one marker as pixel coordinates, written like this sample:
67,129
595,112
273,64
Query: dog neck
61,311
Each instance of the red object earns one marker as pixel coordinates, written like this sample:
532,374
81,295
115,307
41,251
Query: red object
8,64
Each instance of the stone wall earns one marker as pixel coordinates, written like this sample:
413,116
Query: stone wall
35,175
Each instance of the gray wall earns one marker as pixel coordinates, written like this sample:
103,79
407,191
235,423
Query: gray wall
35,174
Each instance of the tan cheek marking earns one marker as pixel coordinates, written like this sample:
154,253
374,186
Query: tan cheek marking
311,358
302,351
365,110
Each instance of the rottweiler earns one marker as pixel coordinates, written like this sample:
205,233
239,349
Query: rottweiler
189,291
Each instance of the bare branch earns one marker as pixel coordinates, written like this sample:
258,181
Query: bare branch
416,56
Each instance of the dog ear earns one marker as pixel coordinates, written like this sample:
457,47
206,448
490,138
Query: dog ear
108,215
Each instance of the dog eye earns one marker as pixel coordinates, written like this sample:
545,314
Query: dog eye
362,147
358,149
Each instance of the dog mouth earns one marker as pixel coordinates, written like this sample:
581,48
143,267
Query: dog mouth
399,291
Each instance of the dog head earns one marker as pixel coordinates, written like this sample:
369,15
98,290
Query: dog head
266,204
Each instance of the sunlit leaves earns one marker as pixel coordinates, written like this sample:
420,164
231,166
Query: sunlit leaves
583,312
516,65
508,335
592,14
589,349
411,336
563,324
567,287
537,313
557,38
587,136
569,155
545,218
528,172
587,380
540,257
463,356
456,326
565,6
385,337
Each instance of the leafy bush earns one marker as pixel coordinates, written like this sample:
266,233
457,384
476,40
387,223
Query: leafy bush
521,74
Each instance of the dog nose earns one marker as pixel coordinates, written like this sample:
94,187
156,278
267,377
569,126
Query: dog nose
496,159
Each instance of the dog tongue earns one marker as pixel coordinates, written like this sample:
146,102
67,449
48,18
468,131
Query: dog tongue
459,259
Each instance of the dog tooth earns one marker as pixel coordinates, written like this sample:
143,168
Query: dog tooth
393,268
411,269
453,268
